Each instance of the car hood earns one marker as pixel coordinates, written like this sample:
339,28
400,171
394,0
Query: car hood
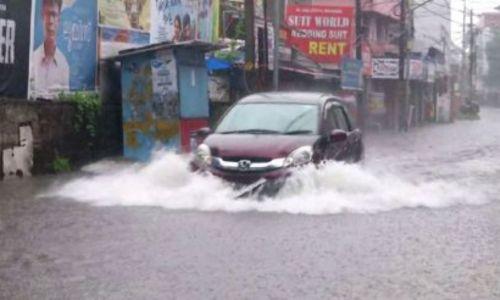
257,145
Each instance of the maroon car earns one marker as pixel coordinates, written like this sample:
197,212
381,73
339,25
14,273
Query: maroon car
263,137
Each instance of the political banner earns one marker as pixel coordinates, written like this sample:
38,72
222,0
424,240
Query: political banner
323,33
183,20
15,22
125,14
64,47
114,40
165,91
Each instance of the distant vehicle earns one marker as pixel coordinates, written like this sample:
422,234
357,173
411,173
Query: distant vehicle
264,137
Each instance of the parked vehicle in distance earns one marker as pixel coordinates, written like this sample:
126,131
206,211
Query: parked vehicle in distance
263,137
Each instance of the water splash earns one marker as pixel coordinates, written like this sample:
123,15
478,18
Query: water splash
331,189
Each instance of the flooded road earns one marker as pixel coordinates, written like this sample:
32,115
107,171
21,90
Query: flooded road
420,219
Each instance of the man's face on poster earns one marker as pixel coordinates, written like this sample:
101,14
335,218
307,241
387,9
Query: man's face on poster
51,17
134,9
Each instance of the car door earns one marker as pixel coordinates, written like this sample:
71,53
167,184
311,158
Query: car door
353,148
334,120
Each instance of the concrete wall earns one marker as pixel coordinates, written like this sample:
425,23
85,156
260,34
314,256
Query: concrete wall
32,133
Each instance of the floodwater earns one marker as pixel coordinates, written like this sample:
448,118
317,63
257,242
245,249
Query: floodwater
419,219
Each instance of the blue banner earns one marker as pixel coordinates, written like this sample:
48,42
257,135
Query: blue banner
65,48
352,74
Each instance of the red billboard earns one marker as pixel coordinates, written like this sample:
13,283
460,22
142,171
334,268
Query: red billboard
323,33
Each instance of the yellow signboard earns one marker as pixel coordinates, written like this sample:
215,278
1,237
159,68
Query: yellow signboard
125,14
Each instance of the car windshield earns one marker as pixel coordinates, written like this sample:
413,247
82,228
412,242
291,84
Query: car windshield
271,118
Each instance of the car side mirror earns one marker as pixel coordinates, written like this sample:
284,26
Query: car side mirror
338,135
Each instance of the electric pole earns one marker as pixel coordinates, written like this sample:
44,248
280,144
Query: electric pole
464,46
471,56
359,56
403,47
249,41
276,49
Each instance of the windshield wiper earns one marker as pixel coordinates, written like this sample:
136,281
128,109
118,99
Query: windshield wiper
298,132
263,131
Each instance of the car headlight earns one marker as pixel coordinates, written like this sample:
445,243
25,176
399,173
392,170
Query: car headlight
300,156
203,155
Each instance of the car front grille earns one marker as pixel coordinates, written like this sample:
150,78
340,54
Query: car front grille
251,159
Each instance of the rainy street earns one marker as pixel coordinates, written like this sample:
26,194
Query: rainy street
420,218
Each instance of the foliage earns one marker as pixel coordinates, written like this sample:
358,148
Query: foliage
230,55
61,164
239,31
492,52
87,115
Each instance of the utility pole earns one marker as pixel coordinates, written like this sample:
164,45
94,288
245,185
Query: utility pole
249,41
359,55
276,49
403,47
464,46
472,52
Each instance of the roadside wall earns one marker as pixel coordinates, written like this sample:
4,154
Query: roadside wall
31,134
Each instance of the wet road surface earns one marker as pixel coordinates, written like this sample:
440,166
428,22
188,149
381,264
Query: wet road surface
444,247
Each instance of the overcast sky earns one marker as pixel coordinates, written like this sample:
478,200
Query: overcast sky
479,6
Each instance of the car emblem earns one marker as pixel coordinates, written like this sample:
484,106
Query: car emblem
244,165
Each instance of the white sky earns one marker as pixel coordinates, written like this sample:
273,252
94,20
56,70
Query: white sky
479,6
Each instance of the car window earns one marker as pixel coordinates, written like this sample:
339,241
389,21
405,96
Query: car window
272,117
330,119
341,119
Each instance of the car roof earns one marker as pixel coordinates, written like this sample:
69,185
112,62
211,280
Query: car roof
287,97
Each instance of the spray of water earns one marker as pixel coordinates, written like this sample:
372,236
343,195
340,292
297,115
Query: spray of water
334,188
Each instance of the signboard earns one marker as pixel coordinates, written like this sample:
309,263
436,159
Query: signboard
376,103
15,21
352,77
183,20
323,33
64,47
416,69
385,68
114,40
125,14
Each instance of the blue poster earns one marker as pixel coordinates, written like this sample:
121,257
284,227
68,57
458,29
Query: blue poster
64,54
352,74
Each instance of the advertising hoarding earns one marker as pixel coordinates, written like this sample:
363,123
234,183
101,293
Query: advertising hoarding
183,20
323,33
125,14
64,47
15,23
385,68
